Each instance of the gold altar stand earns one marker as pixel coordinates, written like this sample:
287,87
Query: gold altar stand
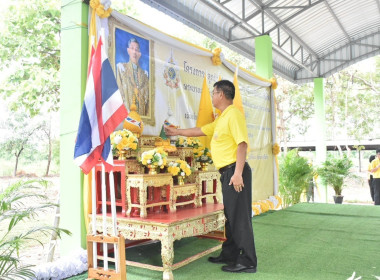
168,227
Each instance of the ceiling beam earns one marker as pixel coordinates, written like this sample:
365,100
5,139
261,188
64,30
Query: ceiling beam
378,4
337,20
276,20
280,23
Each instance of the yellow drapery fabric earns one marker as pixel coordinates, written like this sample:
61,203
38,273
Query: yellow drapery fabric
237,100
205,112
217,111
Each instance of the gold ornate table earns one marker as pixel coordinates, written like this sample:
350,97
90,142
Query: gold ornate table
184,153
132,166
201,179
185,190
142,182
168,227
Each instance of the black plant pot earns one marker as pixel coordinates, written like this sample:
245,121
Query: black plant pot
338,199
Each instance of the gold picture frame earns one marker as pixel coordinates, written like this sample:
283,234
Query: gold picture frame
135,82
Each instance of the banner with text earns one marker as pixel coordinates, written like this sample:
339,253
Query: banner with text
163,76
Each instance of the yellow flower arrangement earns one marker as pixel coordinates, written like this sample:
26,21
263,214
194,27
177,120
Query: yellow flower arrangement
202,154
188,142
123,140
179,167
156,157
272,203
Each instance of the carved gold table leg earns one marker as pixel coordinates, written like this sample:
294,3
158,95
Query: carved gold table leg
129,201
167,255
173,206
143,202
172,200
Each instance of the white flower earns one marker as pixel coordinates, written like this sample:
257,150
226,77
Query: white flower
171,163
160,162
183,173
117,139
149,161
63,268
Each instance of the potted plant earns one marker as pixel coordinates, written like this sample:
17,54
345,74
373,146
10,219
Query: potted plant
179,168
334,172
122,141
295,176
154,159
203,156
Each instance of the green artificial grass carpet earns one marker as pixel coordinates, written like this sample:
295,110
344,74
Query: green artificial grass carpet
305,241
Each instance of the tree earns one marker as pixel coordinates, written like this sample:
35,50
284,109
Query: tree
351,103
294,106
30,55
350,100
21,130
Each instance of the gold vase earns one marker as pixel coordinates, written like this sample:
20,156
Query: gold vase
204,166
122,155
181,180
152,169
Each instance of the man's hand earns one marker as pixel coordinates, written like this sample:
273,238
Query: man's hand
188,132
237,182
171,131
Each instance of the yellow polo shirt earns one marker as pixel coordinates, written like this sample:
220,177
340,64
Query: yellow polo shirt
375,163
369,171
227,131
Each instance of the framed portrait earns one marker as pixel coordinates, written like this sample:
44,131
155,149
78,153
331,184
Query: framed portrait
131,58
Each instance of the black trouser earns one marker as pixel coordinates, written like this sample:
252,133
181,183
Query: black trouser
370,183
239,246
376,190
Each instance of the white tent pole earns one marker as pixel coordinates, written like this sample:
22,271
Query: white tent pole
104,212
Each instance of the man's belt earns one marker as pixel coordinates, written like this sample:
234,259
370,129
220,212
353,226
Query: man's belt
225,168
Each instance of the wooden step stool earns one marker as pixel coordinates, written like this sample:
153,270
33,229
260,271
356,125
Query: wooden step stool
99,272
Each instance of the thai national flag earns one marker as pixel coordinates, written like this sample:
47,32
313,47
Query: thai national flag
103,110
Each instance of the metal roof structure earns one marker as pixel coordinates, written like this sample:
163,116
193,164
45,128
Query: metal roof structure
310,38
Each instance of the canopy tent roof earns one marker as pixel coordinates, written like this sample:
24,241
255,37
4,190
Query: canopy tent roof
311,38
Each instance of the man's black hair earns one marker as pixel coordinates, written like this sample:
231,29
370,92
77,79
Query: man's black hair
378,151
227,87
371,158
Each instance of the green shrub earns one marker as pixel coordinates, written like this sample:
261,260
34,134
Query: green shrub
15,208
334,171
295,176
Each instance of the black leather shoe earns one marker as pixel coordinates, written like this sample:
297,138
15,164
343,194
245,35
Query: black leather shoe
239,268
219,259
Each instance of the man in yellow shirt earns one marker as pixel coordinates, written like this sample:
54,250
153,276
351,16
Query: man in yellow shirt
375,170
370,177
229,152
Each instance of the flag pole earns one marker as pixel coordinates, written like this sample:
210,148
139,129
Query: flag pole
93,206
104,214
113,211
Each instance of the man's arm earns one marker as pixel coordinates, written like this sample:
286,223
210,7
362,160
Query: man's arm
237,178
188,132
374,169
